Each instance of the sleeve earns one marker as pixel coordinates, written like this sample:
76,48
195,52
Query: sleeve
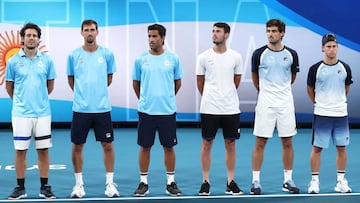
255,61
136,73
51,69
9,73
295,63
110,60
311,78
70,65
348,79
178,72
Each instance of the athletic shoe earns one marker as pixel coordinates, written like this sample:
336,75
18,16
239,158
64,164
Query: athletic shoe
111,190
173,190
314,187
233,189
255,188
289,186
205,189
18,193
78,191
142,190
45,192
342,186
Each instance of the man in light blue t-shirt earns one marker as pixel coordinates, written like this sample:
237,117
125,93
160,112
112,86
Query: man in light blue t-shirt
156,80
30,76
328,84
90,69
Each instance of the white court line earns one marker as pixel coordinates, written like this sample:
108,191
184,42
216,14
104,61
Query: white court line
184,197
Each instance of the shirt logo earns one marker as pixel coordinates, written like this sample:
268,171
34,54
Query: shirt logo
166,63
40,64
100,59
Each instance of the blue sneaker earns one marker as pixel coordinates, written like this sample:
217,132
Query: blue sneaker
18,193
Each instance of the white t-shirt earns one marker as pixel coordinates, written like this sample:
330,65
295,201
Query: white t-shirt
220,95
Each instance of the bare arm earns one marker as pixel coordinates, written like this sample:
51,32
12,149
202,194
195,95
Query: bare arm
311,93
347,89
255,79
10,88
109,79
136,87
200,79
177,85
237,79
293,77
71,81
50,85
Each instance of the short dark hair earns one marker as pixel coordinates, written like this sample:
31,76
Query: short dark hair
30,26
89,22
225,26
160,28
276,22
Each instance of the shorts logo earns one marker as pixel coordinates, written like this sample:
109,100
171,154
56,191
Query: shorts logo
108,135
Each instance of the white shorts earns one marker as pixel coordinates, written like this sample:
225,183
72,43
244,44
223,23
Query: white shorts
24,128
267,118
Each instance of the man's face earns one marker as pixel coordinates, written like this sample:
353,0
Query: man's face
89,32
155,40
274,35
218,35
31,39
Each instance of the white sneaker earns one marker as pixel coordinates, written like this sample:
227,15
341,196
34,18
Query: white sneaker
342,186
314,187
78,191
111,190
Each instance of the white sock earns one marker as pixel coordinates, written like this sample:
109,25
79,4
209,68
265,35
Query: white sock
256,176
79,179
170,177
109,177
287,175
144,178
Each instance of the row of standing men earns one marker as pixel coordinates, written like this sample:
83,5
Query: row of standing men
156,78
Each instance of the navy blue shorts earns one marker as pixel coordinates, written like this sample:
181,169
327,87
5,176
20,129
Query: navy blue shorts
165,125
230,125
100,122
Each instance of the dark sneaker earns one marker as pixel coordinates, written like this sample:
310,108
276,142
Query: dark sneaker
233,189
255,188
142,190
205,189
173,190
290,187
18,193
45,192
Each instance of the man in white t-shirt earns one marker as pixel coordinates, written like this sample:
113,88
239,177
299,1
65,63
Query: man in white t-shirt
218,72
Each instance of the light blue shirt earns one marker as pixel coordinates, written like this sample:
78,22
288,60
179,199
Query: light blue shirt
90,71
30,76
157,74
329,83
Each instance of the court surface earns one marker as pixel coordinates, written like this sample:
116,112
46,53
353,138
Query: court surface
188,169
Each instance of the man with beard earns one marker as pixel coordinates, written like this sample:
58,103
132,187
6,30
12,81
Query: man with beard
29,79
218,73
90,70
274,68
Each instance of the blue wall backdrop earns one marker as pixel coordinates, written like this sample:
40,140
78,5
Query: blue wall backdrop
123,24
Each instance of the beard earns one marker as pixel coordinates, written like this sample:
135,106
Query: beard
90,40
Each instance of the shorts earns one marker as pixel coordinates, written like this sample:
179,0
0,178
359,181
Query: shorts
24,128
100,122
267,118
230,125
326,128
164,124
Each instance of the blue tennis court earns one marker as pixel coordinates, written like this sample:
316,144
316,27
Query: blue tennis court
188,169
